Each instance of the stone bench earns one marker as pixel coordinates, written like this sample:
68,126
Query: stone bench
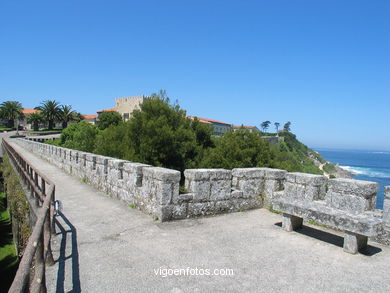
344,204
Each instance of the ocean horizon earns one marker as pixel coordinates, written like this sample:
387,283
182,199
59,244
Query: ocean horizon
368,165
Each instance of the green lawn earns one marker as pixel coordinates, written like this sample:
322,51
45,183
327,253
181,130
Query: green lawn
8,259
5,129
45,131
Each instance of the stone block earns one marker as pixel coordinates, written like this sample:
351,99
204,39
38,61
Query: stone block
200,189
207,174
136,168
237,194
271,186
201,209
224,206
162,174
133,174
306,179
197,174
349,202
354,242
386,206
243,204
250,187
315,192
178,198
290,222
275,174
164,192
220,189
360,188
248,173
173,212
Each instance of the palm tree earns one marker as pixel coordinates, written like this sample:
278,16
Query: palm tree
35,119
10,110
77,117
277,124
66,115
50,111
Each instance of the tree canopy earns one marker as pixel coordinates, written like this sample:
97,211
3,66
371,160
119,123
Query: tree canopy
158,134
51,112
35,119
66,114
10,110
79,136
109,118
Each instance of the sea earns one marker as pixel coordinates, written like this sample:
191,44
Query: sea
364,165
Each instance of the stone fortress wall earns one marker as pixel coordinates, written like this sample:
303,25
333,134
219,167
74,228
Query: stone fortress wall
125,106
155,190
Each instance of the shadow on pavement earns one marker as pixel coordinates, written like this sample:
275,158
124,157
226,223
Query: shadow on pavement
331,238
74,256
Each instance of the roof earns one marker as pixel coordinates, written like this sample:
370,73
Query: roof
90,116
208,121
200,120
107,110
29,111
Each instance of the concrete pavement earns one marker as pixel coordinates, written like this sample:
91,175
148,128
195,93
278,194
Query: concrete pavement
105,246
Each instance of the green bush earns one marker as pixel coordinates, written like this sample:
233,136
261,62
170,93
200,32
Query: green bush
79,136
238,149
158,134
107,119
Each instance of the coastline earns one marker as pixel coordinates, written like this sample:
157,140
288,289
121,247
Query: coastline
342,173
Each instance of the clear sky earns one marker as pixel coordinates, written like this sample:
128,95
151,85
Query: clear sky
324,65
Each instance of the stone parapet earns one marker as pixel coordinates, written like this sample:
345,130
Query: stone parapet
155,190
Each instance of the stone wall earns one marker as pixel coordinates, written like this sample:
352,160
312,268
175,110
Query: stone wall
155,190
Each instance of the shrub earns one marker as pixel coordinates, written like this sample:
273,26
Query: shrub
79,136
107,119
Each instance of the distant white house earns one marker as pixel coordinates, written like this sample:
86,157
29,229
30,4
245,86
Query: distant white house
250,128
90,119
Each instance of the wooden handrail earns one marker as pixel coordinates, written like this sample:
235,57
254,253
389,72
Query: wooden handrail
38,245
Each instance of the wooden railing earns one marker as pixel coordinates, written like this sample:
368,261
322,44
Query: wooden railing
37,253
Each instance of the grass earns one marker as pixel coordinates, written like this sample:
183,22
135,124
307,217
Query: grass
329,168
45,131
8,258
5,129
270,208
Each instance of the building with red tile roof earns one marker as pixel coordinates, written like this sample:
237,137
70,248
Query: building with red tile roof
29,111
219,127
90,118
107,110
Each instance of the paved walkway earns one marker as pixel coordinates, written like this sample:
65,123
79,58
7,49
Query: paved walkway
105,246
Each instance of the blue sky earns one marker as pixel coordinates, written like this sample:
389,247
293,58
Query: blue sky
323,65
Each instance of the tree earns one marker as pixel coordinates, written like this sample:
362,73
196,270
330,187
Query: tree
109,118
11,110
277,124
79,136
66,114
238,149
50,110
35,119
158,134
265,125
77,117
286,126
